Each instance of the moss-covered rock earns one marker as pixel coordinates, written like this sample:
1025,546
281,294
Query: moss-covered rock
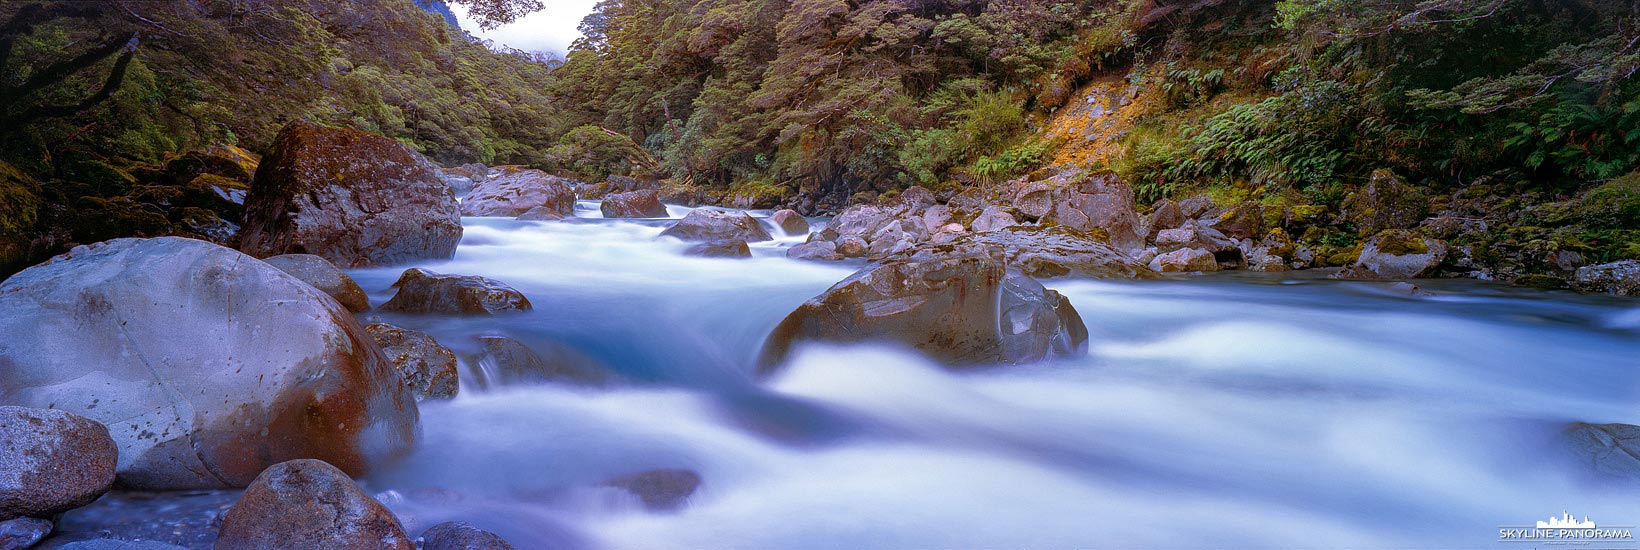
1387,202
1541,282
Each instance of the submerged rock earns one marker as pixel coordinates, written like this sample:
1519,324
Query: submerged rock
117,544
720,249
455,535
634,204
660,490
516,194
309,504
1396,255
423,291
1620,278
112,332
963,310
715,225
506,361
52,461
428,369
1608,449
354,198
324,276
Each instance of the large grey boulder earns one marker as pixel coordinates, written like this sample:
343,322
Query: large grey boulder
308,504
205,364
324,276
354,198
714,225
963,309
634,204
1394,255
51,461
1620,278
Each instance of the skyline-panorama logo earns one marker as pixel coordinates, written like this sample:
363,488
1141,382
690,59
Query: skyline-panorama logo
1565,529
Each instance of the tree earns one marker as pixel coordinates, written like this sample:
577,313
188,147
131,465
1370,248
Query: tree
19,103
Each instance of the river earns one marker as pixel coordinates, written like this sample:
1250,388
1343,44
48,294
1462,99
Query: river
1233,410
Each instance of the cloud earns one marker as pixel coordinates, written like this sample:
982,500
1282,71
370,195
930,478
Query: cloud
550,30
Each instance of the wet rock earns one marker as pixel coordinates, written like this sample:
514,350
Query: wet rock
455,535
1387,202
720,249
660,490
1243,221
862,220
52,461
964,310
1185,260
817,250
1407,288
285,373
116,544
715,225
324,276
992,219
542,214
852,247
354,198
1193,235
22,533
1619,278
1396,255
189,519
1607,449
506,361
423,291
790,222
635,204
428,369
518,193
311,502
1045,252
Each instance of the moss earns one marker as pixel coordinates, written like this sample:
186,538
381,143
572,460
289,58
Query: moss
1401,243
1306,212
1541,282
95,219
100,178
19,211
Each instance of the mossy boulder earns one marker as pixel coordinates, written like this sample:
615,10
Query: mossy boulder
95,219
1387,202
1396,254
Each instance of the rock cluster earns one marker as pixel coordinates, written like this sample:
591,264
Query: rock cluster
523,194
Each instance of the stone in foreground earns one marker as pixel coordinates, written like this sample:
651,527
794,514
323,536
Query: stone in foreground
324,276
455,535
354,198
963,310
309,504
423,291
52,461
428,368
116,332
715,225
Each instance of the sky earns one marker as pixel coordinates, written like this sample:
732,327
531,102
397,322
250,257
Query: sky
551,29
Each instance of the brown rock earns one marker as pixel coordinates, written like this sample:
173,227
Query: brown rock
1054,252
634,204
715,225
423,291
852,247
1184,260
308,504
817,250
660,490
962,309
1102,204
354,198
992,219
517,193
52,461
454,535
285,371
324,276
720,249
428,369
1166,215
790,222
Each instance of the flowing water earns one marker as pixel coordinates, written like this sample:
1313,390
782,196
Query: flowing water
1222,411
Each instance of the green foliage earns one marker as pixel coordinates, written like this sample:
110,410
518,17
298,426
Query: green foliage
1579,139
593,152
1012,162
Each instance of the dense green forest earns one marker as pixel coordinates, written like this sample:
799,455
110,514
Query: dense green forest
1485,104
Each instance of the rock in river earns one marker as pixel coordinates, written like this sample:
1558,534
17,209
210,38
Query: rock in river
454,535
428,369
423,291
205,364
716,225
324,276
51,461
354,198
634,204
308,504
961,309
525,191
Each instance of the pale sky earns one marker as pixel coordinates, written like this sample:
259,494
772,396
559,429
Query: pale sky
551,29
